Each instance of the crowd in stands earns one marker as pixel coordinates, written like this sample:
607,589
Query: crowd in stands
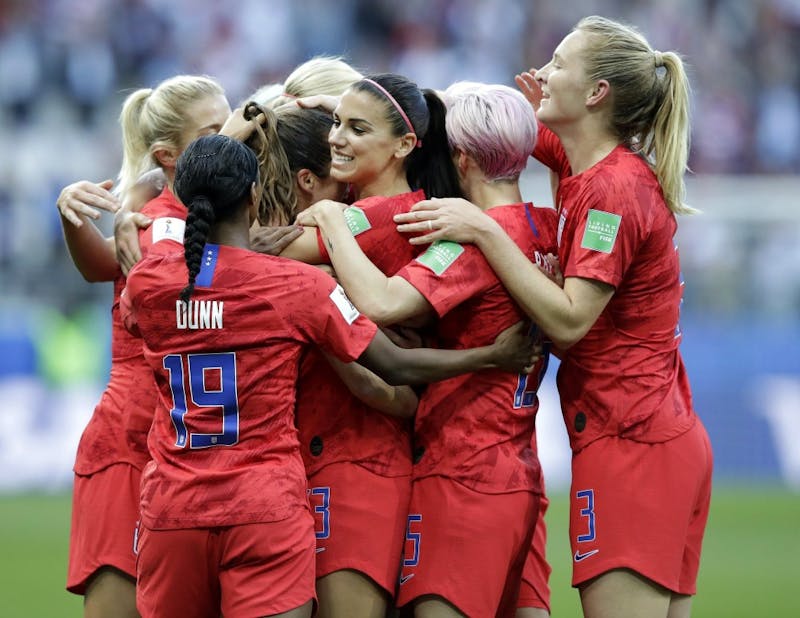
66,65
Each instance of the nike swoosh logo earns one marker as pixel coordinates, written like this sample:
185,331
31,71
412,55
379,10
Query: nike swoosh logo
319,550
579,556
405,578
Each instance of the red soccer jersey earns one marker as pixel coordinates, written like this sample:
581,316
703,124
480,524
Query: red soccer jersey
477,428
165,233
334,425
223,440
117,431
109,438
626,376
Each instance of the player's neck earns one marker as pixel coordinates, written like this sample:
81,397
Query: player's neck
230,234
586,145
386,185
486,194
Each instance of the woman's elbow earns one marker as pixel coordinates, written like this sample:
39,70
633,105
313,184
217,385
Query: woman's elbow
406,402
379,312
566,337
96,276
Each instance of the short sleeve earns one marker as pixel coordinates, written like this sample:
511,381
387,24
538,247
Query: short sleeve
326,317
448,273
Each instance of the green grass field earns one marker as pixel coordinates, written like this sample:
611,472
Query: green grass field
750,561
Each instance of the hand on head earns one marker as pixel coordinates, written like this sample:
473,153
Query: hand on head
241,124
324,101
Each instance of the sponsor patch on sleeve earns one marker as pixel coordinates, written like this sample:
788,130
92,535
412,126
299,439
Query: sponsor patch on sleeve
441,255
343,304
601,231
168,228
356,220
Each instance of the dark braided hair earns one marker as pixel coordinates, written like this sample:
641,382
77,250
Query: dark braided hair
213,177
429,167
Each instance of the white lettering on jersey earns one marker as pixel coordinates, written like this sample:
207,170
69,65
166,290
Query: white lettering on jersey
198,314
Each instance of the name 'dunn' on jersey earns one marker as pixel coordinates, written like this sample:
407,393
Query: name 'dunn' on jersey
199,314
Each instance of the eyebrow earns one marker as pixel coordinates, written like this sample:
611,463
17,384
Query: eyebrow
352,120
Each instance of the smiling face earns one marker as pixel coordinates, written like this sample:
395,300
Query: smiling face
565,87
364,151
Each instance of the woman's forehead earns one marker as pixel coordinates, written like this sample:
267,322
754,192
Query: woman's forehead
360,104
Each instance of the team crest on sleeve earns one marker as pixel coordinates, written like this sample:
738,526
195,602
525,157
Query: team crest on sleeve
601,231
168,228
356,220
343,304
441,255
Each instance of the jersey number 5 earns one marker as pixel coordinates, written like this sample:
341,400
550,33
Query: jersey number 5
223,395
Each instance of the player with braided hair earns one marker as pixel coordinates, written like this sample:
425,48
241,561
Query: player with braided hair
156,125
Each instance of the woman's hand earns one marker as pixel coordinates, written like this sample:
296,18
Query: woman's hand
327,102
273,240
126,238
86,199
448,218
528,86
552,268
311,216
238,128
515,351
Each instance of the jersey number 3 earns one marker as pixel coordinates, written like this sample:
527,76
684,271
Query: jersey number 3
211,384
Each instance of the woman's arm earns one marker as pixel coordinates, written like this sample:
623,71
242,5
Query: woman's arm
399,401
305,248
384,300
91,252
128,220
511,351
565,314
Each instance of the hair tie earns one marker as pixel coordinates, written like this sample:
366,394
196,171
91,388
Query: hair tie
397,107
658,58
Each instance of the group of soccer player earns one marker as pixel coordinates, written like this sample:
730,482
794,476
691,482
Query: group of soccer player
274,441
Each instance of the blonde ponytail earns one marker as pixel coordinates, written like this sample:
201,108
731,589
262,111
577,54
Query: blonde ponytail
651,100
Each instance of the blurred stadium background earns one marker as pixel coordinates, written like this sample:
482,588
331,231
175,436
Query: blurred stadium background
66,65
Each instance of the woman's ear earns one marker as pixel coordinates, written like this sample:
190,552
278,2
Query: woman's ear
462,160
166,157
405,145
599,93
305,180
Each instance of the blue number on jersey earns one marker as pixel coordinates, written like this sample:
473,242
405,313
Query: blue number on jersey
322,509
225,397
587,512
416,540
